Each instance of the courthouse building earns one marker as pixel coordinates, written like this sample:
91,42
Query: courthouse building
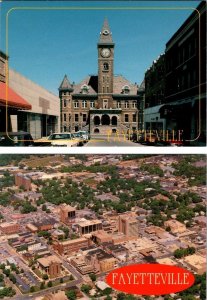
101,104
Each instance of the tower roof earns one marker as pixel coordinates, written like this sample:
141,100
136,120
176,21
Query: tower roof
65,84
105,34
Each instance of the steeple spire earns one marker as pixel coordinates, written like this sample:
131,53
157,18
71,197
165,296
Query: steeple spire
105,34
66,85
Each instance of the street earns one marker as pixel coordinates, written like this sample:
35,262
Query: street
111,141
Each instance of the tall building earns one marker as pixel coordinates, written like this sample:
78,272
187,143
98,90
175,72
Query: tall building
68,246
67,214
103,104
21,179
185,93
88,226
128,225
175,85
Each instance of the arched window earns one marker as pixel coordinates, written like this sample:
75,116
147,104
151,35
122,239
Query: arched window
125,89
106,66
84,89
105,120
96,120
114,121
96,130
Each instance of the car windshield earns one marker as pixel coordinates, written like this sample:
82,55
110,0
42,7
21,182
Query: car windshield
76,134
63,136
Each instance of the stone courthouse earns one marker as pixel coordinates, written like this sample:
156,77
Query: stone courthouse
101,104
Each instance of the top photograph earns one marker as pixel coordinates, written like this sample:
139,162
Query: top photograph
103,74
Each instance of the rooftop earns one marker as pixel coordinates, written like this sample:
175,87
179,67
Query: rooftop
46,261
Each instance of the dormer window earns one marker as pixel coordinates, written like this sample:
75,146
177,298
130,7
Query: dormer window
84,89
125,89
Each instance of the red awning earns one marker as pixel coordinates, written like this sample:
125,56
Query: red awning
13,99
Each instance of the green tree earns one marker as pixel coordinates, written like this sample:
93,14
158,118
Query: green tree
45,276
42,285
61,280
93,277
71,295
49,284
32,289
85,288
12,278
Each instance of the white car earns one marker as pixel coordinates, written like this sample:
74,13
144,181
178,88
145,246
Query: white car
85,135
62,139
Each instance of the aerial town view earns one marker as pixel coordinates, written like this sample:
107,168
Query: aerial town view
66,221
83,75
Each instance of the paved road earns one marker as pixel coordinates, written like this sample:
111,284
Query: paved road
111,141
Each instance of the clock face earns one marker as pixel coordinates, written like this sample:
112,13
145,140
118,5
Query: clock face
105,52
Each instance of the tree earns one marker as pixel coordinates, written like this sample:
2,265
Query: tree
61,280
32,289
71,294
93,277
44,207
45,276
107,291
71,277
6,272
85,288
12,278
49,284
42,285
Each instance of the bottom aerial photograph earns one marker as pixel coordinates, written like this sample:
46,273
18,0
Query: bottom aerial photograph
70,223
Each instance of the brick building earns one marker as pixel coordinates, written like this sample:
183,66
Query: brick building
128,225
88,226
102,104
50,265
68,246
22,180
9,227
100,260
67,214
175,85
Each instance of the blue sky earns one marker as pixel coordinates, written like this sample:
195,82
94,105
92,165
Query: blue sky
45,44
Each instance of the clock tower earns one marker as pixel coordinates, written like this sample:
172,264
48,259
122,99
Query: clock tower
105,67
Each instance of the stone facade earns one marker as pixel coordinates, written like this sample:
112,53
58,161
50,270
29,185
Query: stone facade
101,104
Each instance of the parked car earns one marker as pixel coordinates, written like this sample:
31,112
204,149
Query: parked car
85,135
62,139
16,139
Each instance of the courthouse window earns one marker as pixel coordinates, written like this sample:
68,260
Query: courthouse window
84,117
134,104
76,104
92,104
76,117
126,104
118,105
64,117
64,103
134,118
84,103
126,118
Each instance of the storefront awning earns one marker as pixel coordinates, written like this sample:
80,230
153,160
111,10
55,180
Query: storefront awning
11,98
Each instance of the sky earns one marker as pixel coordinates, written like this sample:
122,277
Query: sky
48,39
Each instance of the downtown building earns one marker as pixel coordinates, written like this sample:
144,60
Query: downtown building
101,104
175,84
24,105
